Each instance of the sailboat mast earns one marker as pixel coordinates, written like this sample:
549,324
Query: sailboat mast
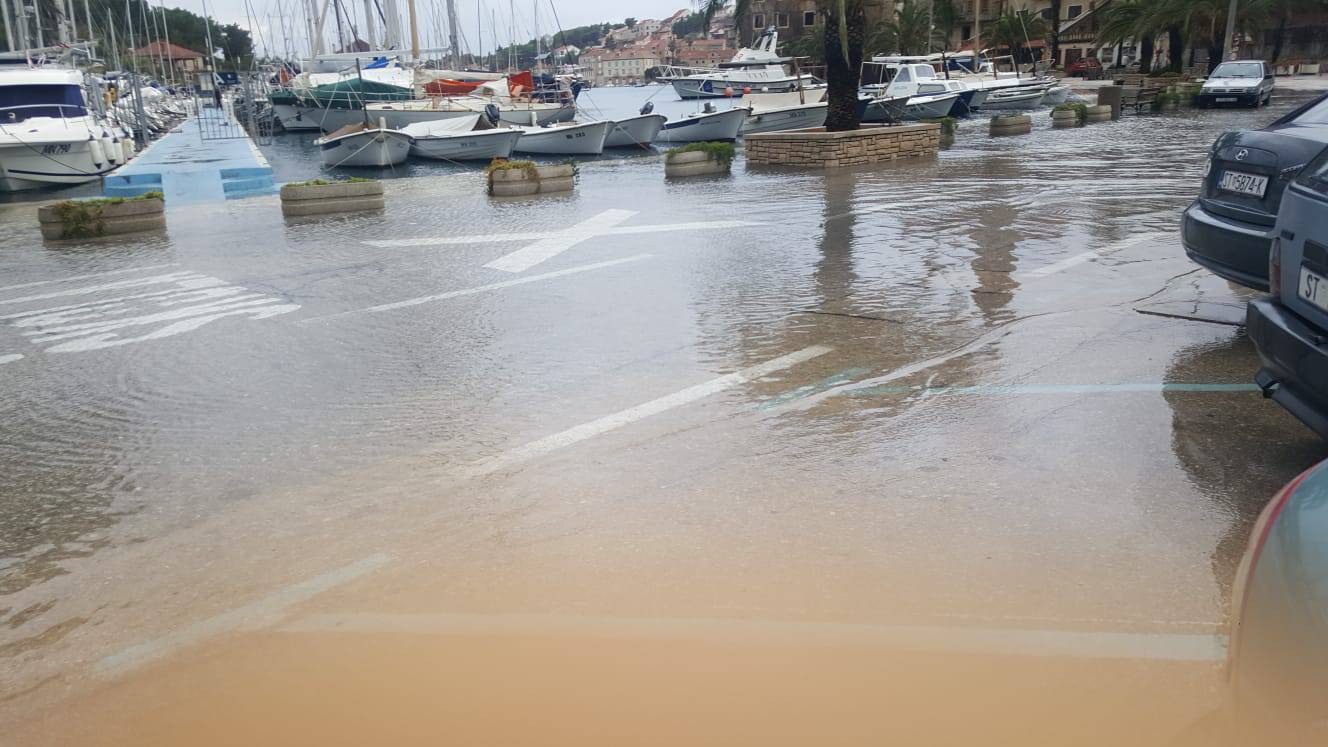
414,32
452,34
9,26
479,32
369,29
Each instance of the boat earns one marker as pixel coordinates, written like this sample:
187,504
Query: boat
47,136
330,101
564,139
897,79
1057,94
471,138
707,124
635,132
365,145
755,68
1021,97
795,117
970,99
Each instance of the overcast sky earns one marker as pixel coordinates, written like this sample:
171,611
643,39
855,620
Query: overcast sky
569,13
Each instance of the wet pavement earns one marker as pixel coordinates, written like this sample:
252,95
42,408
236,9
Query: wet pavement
657,458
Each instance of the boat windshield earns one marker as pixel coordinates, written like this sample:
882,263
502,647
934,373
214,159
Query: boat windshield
18,103
1238,70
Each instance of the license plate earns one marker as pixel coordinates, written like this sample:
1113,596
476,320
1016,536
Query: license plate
1314,288
1242,183
1226,100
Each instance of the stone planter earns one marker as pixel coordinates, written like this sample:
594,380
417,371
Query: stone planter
1307,68
81,219
1012,124
1284,70
1064,118
816,148
522,183
1100,113
694,163
321,199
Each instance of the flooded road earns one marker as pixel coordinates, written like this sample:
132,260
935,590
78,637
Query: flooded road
642,450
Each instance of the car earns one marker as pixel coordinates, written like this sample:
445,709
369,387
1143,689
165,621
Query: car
1238,83
1289,328
1087,67
1277,654
1229,227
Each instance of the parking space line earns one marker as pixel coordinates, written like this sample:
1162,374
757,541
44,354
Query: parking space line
10,358
72,278
264,612
1089,256
478,289
1039,643
642,411
173,277
1015,389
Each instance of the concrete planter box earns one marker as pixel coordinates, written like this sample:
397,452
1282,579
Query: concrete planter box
1100,113
1307,68
521,183
1064,118
694,163
1284,70
1014,124
71,220
320,199
816,148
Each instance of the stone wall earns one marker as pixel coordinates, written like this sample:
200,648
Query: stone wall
817,148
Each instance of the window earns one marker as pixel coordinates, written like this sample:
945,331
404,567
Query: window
1073,11
782,20
809,18
758,21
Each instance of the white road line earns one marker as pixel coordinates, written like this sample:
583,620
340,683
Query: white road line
478,289
631,415
1196,647
172,277
1079,259
492,238
72,278
554,244
11,358
52,334
264,612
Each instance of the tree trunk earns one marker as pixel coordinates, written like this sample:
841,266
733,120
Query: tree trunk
1280,40
841,74
1175,49
1055,23
1146,54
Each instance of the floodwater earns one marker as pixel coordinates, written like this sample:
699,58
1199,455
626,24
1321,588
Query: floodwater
934,451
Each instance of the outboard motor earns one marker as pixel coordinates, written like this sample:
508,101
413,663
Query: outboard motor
648,108
492,115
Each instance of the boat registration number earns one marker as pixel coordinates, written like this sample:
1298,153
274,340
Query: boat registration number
1242,183
1314,288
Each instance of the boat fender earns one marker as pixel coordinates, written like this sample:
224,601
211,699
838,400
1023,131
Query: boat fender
648,108
728,90
111,146
98,154
492,115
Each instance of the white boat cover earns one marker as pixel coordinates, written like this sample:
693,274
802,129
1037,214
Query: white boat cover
442,127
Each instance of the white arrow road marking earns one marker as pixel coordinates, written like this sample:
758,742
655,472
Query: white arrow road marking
1079,259
72,278
11,358
549,244
631,415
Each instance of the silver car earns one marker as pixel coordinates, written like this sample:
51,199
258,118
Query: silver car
1241,83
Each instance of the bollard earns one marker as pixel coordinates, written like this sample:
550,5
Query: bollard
1111,96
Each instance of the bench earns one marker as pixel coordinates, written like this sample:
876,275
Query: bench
1139,98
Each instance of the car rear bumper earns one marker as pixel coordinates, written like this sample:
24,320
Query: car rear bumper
1295,365
1228,99
1230,249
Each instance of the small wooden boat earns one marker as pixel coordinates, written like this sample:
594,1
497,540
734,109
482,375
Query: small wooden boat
364,145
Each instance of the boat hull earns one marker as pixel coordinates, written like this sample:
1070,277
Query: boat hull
733,86
723,125
1015,100
368,149
789,118
296,118
49,164
570,140
636,132
518,115
473,146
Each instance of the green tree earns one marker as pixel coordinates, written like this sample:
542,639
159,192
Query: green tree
1014,28
741,12
629,22
946,17
905,32
1124,20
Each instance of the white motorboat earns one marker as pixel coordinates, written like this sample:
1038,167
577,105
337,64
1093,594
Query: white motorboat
755,68
634,132
364,145
707,124
574,139
47,137
1014,97
795,117
470,138
897,79
1057,94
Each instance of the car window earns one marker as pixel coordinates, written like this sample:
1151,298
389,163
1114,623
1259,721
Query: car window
1315,113
1238,70
1315,173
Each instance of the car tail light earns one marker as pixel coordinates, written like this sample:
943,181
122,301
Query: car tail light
1275,267
1258,538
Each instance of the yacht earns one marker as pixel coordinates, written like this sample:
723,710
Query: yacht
755,68
47,136
896,81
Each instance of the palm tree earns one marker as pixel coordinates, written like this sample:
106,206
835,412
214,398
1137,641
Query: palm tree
906,32
845,34
1123,20
945,15
741,10
1013,28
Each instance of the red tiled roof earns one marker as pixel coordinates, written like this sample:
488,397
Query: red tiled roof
173,51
